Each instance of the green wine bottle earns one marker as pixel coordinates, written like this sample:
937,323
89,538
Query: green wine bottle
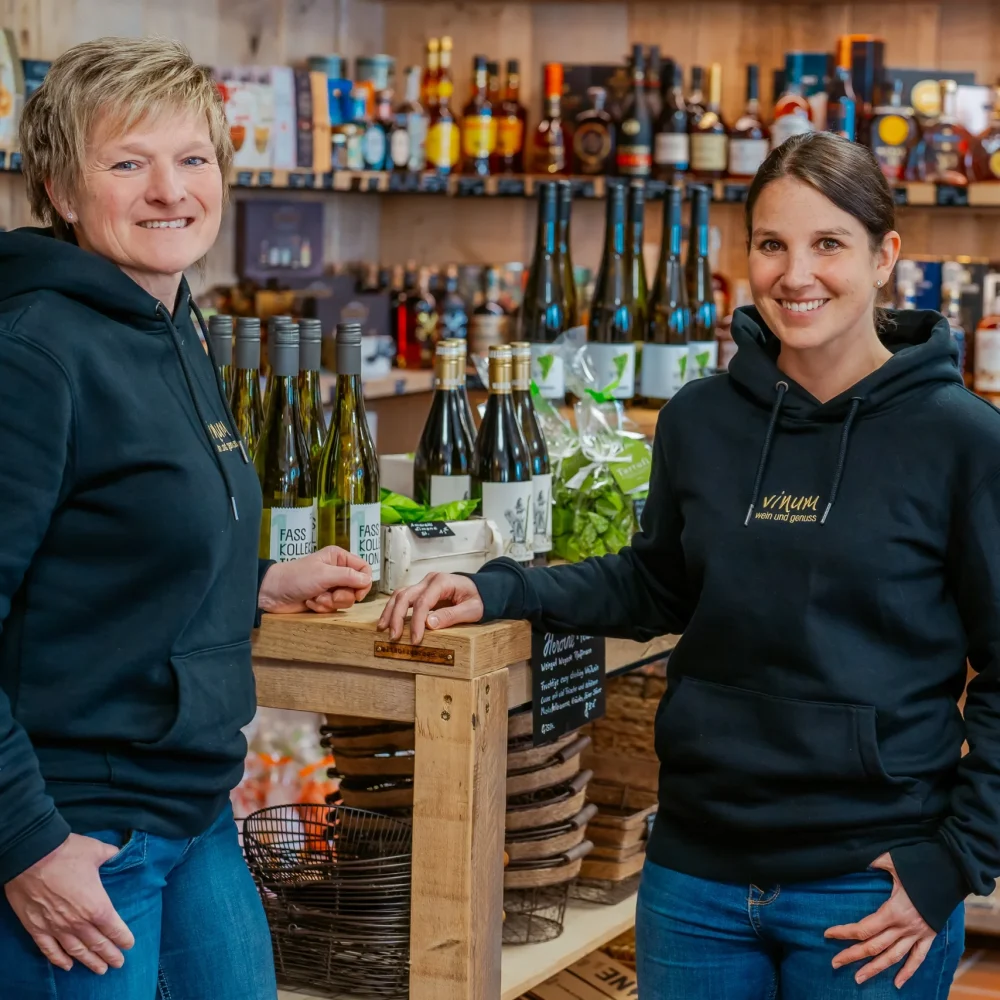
310,394
220,339
288,527
502,478
538,452
442,464
571,305
461,348
349,509
637,263
248,412
703,348
609,333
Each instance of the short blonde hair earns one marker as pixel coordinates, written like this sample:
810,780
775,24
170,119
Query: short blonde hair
126,78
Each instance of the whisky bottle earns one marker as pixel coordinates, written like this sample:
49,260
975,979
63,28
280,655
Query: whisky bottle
842,105
941,156
421,323
454,317
443,134
479,127
488,325
893,134
512,117
696,96
671,146
792,112
432,70
493,84
594,136
986,147
408,140
552,143
750,141
709,135
986,355
634,135
654,99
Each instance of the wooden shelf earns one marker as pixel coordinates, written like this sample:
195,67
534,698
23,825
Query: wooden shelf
982,919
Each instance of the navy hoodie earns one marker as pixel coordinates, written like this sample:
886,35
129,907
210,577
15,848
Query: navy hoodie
831,566
128,559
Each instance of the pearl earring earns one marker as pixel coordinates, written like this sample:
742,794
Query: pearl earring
69,216
878,284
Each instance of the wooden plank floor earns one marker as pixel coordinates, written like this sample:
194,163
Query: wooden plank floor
978,976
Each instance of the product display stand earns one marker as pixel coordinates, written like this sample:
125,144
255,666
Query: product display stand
457,687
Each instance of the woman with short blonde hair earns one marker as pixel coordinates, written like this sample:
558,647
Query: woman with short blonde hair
129,574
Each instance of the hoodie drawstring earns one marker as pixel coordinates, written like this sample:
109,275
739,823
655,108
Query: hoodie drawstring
782,388
179,348
844,435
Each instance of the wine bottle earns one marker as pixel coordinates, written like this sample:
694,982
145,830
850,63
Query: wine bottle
442,464
571,311
272,325
502,476
461,350
288,525
703,348
488,325
349,509
538,452
672,145
637,263
220,340
665,348
248,411
542,315
609,332
310,394
634,144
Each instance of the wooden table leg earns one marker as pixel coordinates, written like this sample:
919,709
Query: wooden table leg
458,834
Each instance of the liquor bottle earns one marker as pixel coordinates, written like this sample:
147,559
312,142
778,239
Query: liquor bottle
408,139
941,155
634,135
502,472
571,310
432,71
310,393
841,104
369,283
538,452
654,100
493,84
376,138
488,326
986,148
348,487
248,410
479,127
709,135
442,463
594,136
397,311
695,102
792,111
893,133
668,327
636,260
356,128
421,323
460,348
443,132
749,141
953,276
986,356
542,315
552,140
282,461
508,158
703,348
220,342
453,320
671,145
611,325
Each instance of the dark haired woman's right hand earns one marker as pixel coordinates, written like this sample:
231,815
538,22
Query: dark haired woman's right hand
439,600
65,908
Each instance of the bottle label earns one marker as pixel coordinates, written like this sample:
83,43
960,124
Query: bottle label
479,136
708,151
366,535
893,130
510,135
416,125
673,149
746,156
547,371
541,511
987,360
606,360
486,331
592,145
454,323
293,532
994,162
703,359
442,145
634,161
508,506
786,126
399,148
374,147
664,370
445,489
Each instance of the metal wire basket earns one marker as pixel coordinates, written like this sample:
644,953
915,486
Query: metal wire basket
533,915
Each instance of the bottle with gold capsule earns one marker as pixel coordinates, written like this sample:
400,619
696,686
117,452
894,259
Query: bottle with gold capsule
461,350
443,147
538,452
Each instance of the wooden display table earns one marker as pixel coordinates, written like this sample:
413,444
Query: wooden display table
457,687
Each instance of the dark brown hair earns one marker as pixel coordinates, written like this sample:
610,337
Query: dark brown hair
840,170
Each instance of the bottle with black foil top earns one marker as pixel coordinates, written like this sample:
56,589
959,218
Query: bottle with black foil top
634,153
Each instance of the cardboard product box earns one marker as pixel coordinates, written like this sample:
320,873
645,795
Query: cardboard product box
304,119
921,87
34,74
249,126
596,977
278,239
11,89
285,131
322,135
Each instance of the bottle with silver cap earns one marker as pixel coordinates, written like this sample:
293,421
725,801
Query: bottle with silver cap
245,402
220,342
310,392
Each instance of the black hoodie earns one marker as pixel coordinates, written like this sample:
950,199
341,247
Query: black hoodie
128,559
831,566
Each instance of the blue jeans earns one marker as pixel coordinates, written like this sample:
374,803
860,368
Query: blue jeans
198,924
701,940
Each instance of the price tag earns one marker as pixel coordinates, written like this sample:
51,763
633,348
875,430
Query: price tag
510,187
567,683
433,184
655,190
431,529
296,180
734,192
326,182
471,187
948,194
899,195
244,178
583,188
15,160
265,178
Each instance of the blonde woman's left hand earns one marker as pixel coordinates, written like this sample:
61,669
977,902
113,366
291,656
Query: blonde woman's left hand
324,581
893,932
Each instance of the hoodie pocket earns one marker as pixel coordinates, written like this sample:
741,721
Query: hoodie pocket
216,697
764,763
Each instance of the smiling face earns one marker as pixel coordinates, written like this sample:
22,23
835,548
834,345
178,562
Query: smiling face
813,274
150,199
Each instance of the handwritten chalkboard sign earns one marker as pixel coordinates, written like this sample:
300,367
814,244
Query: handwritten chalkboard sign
432,529
567,683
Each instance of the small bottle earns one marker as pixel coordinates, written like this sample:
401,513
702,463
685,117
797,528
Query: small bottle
421,323
488,326
893,133
703,347
986,356
986,147
454,316
508,158
636,260
594,136
634,135
654,68
552,141
571,309
792,112
709,135
220,342
749,141
842,105
941,156
443,147
246,404
310,392
672,145
479,127
408,139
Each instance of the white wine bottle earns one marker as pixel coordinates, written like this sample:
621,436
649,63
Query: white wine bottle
288,527
538,452
310,395
349,510
220,341
703,348
248,411
442,464
503,465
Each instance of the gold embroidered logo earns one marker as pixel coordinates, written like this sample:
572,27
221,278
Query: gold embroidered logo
786,507
223,439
